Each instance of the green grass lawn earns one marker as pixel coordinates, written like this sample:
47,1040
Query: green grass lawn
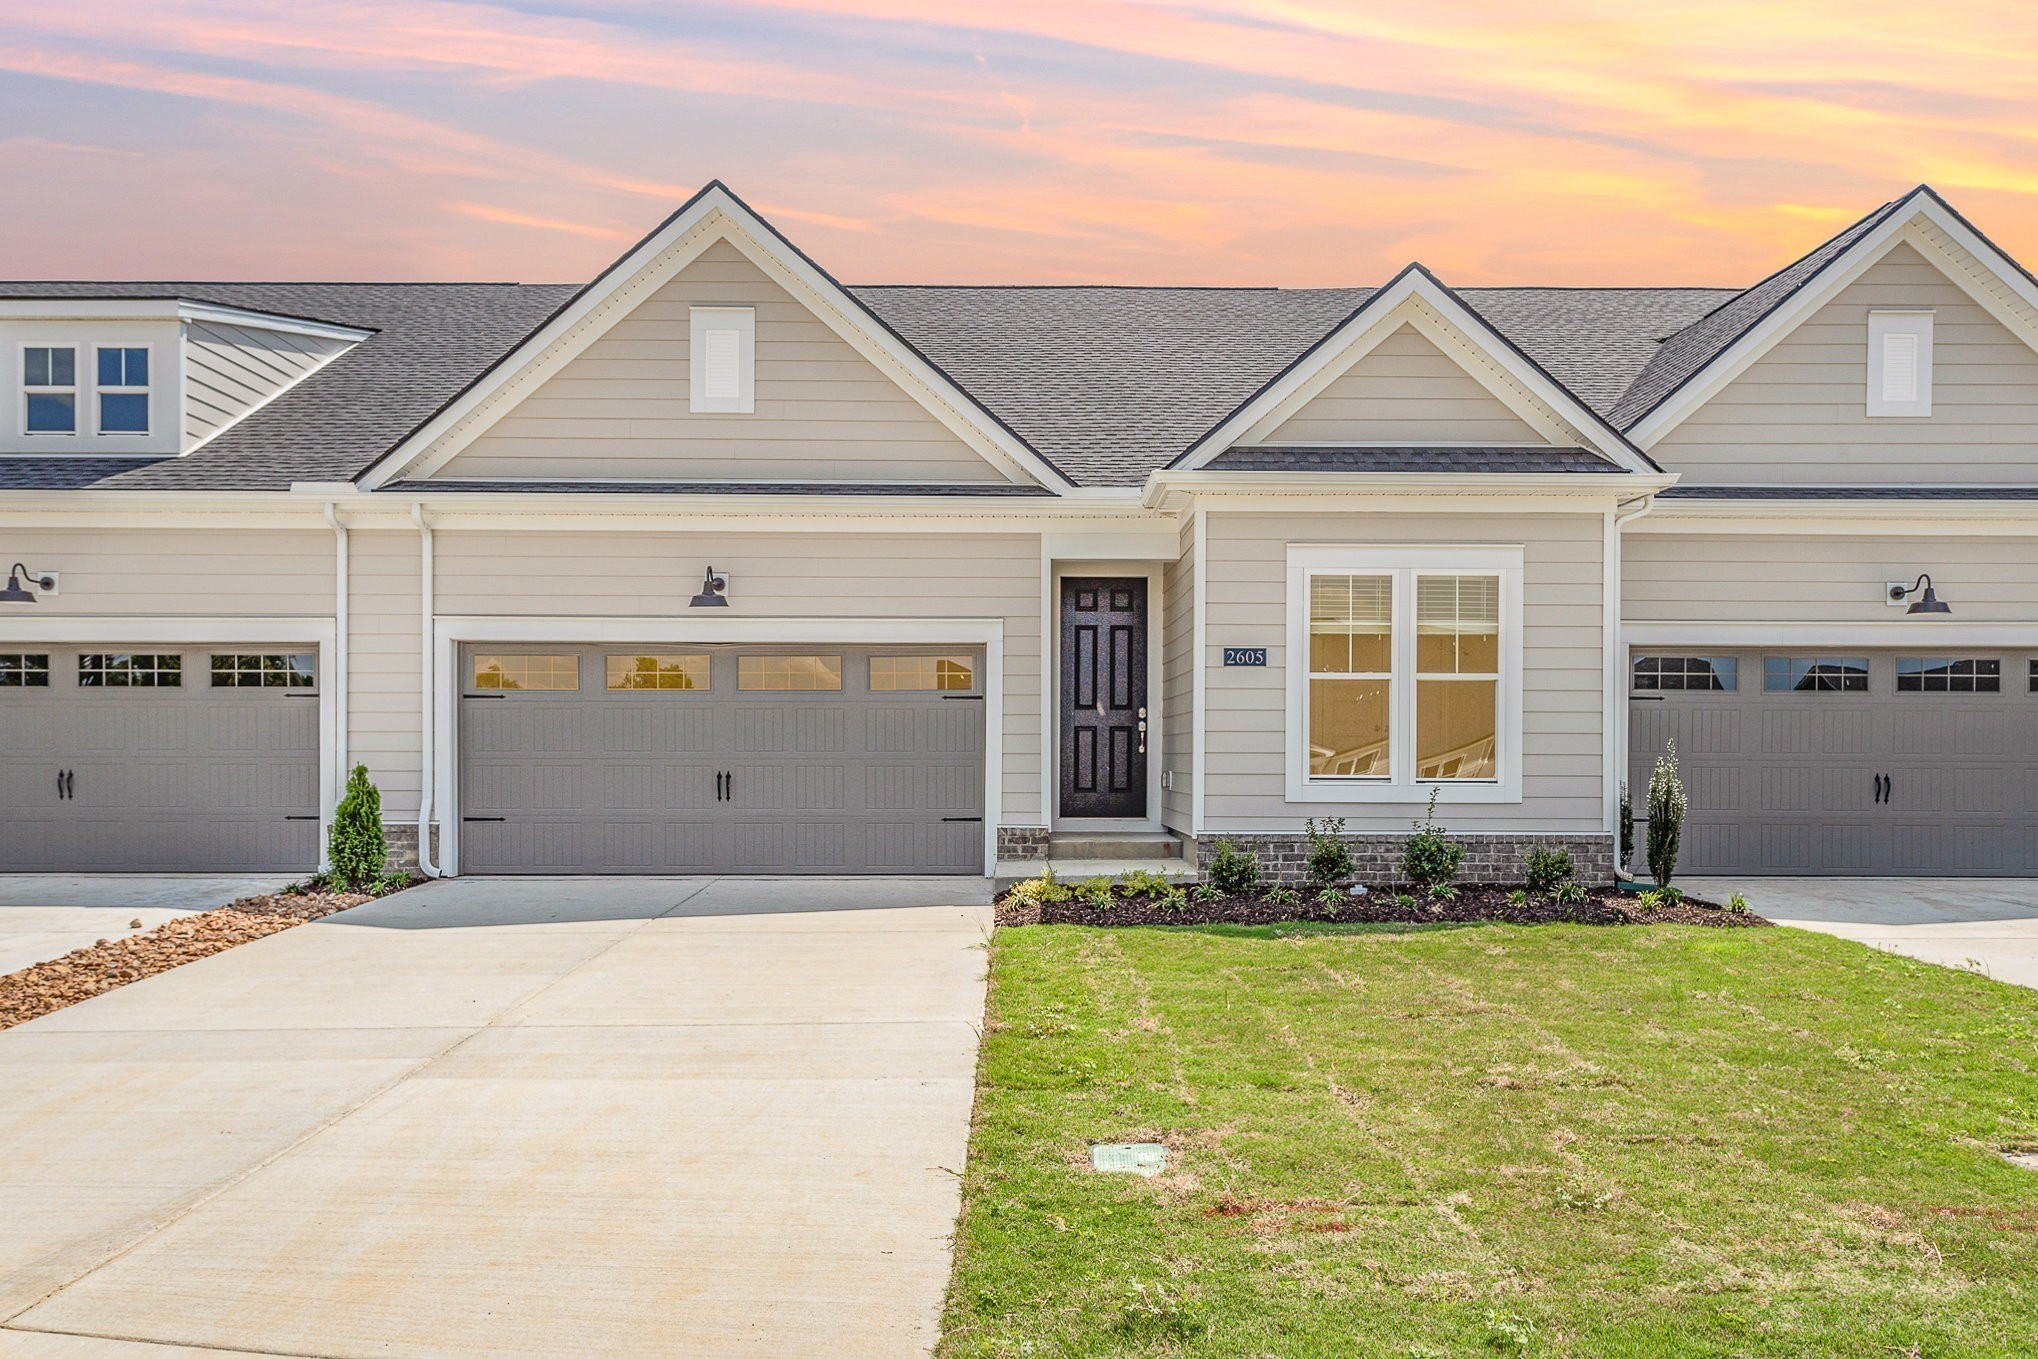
1557,1140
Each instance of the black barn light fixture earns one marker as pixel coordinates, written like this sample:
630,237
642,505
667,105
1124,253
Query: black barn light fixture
714,592
16,594
1929,602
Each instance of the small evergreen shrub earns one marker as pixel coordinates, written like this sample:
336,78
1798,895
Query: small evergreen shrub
1234,872
1330,858
1547,867
1277,895
1627,829
1174,899
1430,858
1518,897
1666,815
1737,904
1206,894
1570,893
356,847
1329,900
1094,893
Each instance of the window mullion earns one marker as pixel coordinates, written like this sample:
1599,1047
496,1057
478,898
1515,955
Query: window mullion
1401,755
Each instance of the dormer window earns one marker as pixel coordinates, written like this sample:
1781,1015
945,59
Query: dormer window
123,390
49,380
1900,363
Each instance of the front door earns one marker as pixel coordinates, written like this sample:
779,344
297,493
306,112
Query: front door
1103,697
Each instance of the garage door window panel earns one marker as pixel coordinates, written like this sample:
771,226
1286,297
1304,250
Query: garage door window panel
24,670
129,670
1815,674
922,674
265,670
660,672
1948,675
1716,674
540,673
789,674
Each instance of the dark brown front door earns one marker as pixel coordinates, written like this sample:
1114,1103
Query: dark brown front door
1103,697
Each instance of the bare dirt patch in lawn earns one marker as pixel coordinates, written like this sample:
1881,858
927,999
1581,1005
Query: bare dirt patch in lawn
87,972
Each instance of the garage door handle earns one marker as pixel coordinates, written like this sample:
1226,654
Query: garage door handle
978,819
1888,787
484,818
1878,790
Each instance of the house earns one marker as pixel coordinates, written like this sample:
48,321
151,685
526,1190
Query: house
716,564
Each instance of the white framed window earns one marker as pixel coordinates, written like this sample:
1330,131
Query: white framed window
1900,363
723,360
49,389
122,388
1404,673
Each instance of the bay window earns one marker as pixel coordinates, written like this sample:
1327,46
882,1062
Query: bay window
1405,673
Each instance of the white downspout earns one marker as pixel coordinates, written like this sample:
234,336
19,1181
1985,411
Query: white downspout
428,768
1616,659
338,678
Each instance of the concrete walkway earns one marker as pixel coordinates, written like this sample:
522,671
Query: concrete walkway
509,1118
1987,925
46,915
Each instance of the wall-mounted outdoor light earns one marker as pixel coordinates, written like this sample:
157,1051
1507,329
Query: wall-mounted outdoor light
1928,602
16,594
714,592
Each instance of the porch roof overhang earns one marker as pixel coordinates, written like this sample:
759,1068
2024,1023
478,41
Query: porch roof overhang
1174,491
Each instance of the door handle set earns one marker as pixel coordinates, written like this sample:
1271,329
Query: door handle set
725,787
1884,786
66,785
1142,731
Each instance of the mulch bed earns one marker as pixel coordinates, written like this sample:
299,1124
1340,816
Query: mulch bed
1473,905
84,973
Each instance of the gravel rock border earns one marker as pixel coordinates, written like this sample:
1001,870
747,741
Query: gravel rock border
87,972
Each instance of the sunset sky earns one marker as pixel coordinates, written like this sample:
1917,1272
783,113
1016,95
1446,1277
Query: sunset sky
1234,141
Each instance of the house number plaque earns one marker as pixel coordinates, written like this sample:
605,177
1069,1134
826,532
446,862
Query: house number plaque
1245,655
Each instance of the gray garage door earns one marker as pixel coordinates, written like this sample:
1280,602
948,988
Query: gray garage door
1845,763
821,759
158,759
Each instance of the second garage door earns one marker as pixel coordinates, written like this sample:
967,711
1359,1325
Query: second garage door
721,760
1881,763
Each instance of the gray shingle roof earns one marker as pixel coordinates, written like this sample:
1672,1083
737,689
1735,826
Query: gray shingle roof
1108,383
1853,492
988,489
1111,383
431,339
1685,354
1502,460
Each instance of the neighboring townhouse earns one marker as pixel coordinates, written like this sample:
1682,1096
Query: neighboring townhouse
718,565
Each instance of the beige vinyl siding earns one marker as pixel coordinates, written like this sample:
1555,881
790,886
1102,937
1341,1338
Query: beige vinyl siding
222,572
1405,389
1798,415
229,370
1178,684
620,410
1748,578
384,725
808,575
1562,672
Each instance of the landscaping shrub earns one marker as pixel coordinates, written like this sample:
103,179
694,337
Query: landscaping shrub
1570,893
1431,858
1547,867
1094,893
1144,882
1666,815
1330,858
1045,890
357,847
1278,895
1627,829
1234,872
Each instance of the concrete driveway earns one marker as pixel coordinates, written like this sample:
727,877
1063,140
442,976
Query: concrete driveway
46,915
1988,925
509,1117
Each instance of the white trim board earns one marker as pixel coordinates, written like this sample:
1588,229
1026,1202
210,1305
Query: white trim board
1908,634
450,631
1154,573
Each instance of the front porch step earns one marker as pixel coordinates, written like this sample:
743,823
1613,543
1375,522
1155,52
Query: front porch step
1132,846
